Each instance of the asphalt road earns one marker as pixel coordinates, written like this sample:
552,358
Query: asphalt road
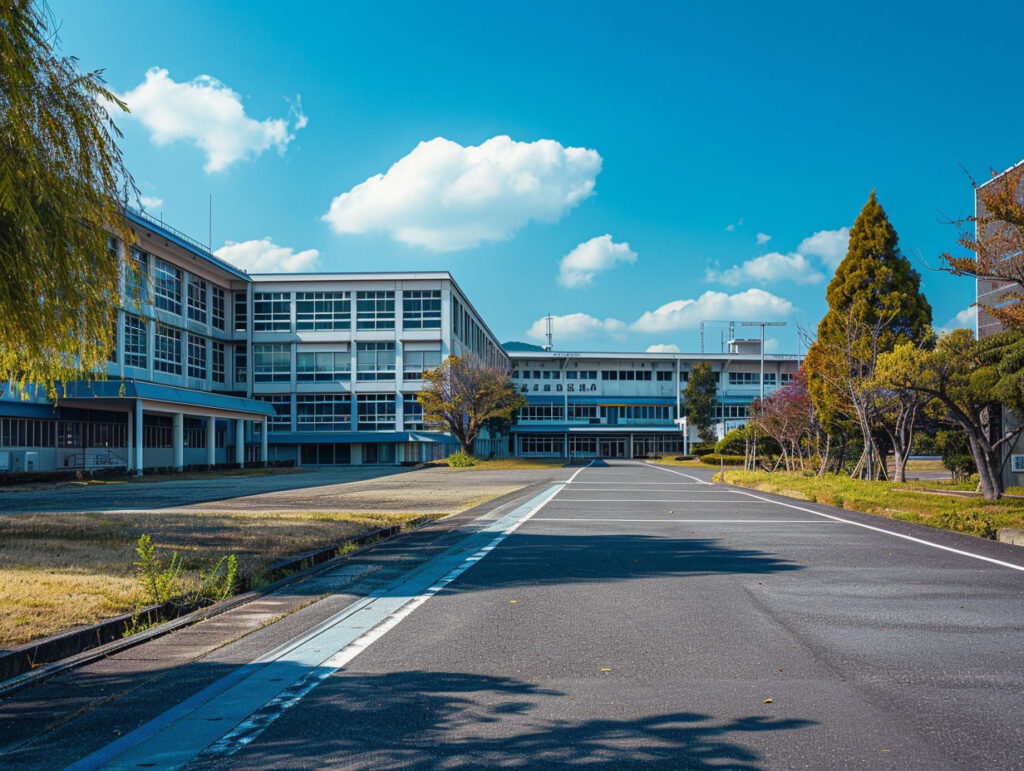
634,617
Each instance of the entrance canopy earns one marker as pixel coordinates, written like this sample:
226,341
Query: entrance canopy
120,396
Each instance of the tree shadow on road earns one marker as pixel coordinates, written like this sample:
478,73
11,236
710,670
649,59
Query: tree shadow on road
425,720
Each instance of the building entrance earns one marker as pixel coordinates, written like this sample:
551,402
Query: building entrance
612,448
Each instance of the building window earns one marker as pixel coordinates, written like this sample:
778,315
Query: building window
18,432
730,411
541,412
666,377
532,444
271,363
136,278
375,361
271,312
167,350
217,301
415,363
241,363
375,310
786,377
744,378
241,311
167,286
323,412
412,414
282,419
586,413
421,309
322,366
197,299
135,342
376,412
217,362
646,414
196,357
322,311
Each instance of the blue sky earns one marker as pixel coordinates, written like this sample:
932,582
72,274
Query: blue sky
696,128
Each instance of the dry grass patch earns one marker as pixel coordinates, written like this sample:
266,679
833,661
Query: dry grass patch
61,570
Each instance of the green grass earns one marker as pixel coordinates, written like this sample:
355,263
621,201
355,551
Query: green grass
668,460
910,502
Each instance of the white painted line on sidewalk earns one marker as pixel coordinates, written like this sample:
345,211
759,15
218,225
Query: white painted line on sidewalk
234,710
888,532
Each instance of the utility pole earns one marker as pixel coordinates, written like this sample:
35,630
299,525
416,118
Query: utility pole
762,324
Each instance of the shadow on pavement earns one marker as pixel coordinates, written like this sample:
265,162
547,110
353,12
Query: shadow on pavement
425,720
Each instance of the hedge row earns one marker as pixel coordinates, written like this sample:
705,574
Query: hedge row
714,459
25,477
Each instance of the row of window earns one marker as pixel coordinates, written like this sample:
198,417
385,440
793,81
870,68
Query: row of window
466,329
374,362
333,412
332,311
172,289
593,412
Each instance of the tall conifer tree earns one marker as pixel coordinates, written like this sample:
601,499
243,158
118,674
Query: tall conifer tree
875,302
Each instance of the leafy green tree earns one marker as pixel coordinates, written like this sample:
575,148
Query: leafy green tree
875,302
969,379
463,394
61,177
956,454
700,399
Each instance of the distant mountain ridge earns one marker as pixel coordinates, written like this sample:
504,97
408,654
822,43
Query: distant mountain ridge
517,346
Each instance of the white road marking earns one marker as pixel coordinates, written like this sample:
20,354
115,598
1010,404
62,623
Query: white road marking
562,501
680,473
687,521
888,532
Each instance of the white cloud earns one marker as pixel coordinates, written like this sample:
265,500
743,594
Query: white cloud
208,113
732,226
663,348
578,267
576,325
771,344
445,197
766,269
264,256
965,319
763,238
150,201
687,314
828,245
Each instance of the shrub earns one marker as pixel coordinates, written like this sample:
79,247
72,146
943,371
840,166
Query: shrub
956,454
970,522
686,457
714,459
702,448
733,443
461,459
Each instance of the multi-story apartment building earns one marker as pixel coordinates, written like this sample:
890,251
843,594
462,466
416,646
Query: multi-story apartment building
625,405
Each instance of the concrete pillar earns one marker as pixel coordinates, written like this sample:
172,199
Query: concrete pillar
178,440
263,442
138,438
211,441
129,446
240,442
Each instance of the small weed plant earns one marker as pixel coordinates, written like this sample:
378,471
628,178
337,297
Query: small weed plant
461,459
164,582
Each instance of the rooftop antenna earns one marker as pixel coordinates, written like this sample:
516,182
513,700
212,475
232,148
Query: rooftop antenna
209,234
762,324
550,323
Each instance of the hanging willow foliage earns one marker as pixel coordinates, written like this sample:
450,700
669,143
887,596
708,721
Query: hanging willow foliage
61,177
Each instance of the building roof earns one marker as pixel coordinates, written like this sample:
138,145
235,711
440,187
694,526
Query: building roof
143,389
185,242
625,355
